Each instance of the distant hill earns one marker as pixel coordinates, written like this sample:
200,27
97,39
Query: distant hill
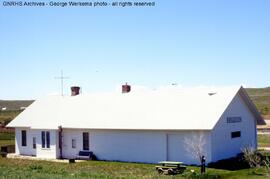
9,109
261,98
11,105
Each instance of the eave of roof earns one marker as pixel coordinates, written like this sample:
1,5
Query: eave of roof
242,92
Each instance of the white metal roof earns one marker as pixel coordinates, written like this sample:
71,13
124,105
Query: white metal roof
171,109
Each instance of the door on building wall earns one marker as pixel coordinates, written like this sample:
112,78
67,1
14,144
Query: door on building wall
176,148
85,141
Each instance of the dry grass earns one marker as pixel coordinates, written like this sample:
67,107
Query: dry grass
264,140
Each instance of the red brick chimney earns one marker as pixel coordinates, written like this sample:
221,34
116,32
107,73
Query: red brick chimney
126,88
75,90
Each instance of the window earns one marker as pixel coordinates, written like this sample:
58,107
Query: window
23,138
73,143
48,139
236,134
85,141
34,143
45,139
234,119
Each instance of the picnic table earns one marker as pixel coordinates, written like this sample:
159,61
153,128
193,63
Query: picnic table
170,167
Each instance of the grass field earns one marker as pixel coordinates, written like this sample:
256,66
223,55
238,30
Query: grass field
7,138
13,105
261,98
6,142
264,140
18,168
6,116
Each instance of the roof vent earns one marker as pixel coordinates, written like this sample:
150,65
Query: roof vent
126,88
211,94
75,90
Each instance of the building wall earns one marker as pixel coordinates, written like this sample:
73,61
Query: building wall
47,152
119,145
135,146
223,146
28,149
130,146
39,151
181,146
68,135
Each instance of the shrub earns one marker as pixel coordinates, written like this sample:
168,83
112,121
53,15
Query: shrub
253,157
248,159
234,163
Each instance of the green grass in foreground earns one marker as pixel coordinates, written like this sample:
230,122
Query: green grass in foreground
17,168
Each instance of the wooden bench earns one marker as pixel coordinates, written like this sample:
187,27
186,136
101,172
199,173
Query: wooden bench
170,167
85,155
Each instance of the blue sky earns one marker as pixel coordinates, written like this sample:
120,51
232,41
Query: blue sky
188,42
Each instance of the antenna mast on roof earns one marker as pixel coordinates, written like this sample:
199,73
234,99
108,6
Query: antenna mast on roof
62,77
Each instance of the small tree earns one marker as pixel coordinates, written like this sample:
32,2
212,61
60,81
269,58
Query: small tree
195,145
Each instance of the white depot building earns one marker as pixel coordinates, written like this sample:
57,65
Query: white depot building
139,126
